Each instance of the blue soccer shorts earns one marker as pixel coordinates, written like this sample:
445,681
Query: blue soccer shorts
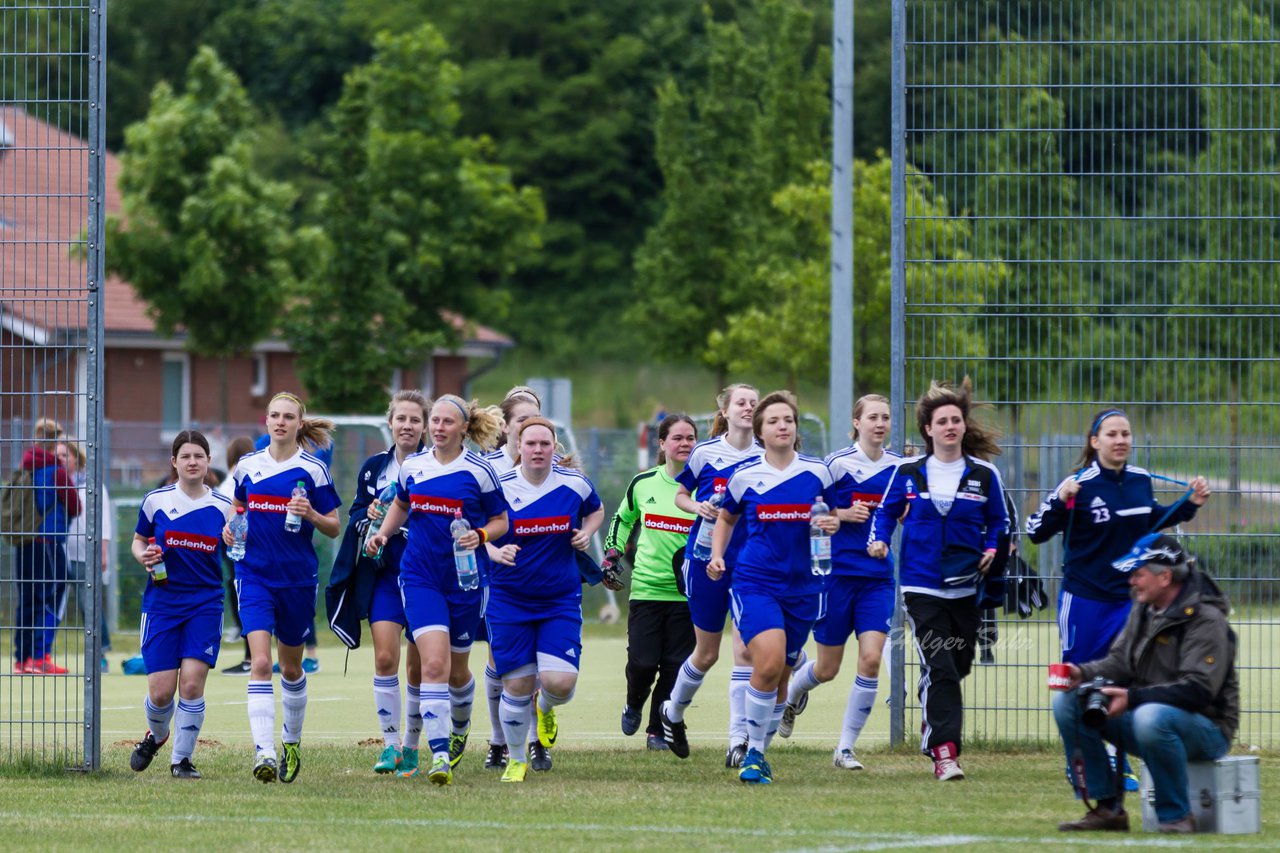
756,611
1087,627
288,612
854,605
548,636
456,613
708,599
167,639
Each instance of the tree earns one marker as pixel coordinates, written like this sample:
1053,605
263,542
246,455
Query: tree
418,220
205,241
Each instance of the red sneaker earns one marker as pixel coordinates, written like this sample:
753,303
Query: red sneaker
46,666
945,766
25,667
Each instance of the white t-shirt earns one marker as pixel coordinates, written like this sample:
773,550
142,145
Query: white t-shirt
944,482
76,551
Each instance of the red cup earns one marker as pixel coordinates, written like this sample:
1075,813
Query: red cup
1059,676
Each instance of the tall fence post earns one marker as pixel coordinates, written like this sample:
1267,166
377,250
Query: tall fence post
897,346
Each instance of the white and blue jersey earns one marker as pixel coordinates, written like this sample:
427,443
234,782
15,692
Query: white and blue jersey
707,472
542,520
433,492
859,478
775,505
189,532
273,556
501,461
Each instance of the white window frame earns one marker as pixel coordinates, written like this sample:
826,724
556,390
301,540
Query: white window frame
167,435
261,379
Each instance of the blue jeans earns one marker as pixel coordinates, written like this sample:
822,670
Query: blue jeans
1164,737
40,574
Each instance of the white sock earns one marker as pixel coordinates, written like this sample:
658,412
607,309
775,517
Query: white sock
386,700
435,717
493,692
515,725
738,680
759,707
802,681
773,723
687,684
412,716
187,722
262,717
158,719
293,699
862,698
460,701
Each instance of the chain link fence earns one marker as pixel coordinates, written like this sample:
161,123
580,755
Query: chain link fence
1086,205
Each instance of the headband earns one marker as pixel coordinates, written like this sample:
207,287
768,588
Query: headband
449,399
523,394
285,394
1102,417
542,422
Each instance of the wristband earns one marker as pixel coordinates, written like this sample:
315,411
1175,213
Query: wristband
483,534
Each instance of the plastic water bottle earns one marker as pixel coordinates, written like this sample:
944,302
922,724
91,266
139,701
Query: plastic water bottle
702,545
239,525
464,559
819,539
293,521
384,498
159,574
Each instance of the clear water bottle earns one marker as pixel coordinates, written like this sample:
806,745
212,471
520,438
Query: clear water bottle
239,525
819,539
159,574
293,521
464,559
702,545
381,502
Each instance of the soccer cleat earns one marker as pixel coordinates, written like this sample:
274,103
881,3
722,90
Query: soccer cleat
753,769
630,720
310,665
441,772
788,722
765,770
515,772
733,758
143,751
539,758
548,728
845,759
656,743
389,760
408,763
184,769
676,734
265,769
497,756
46,666
457,746
292,763
242,668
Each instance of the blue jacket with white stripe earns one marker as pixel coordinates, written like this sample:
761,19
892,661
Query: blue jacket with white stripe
1112,510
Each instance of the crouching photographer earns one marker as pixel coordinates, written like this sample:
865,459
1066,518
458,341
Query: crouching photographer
1167,690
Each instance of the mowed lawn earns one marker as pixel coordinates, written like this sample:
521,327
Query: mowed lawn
606,791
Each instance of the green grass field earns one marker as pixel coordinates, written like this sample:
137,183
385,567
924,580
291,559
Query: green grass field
605,793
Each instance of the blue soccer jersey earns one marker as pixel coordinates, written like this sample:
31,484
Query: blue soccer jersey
774,507
708,470
273,556
189,532
432,492
502,462
542,520
858,478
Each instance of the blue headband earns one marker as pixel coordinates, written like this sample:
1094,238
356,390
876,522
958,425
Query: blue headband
465,416
1102,417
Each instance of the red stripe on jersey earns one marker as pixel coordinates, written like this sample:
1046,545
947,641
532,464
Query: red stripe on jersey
191,541
268,503
541,526
434,505
783,512
872,498
668,524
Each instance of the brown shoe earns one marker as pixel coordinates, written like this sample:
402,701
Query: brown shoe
1098,820
1186,826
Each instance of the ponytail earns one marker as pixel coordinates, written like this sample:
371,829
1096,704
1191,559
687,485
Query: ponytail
313,433
719,423
484,424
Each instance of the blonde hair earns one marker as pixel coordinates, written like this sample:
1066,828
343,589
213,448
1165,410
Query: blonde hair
719,423
566,460
74,448
47,431
861,406
979,440
409,395
484,424
757,417
317,433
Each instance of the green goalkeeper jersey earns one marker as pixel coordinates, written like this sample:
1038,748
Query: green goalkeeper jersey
650,502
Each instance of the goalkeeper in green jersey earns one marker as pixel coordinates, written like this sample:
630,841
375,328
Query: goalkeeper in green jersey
659,630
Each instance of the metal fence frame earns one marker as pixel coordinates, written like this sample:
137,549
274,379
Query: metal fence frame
1149,60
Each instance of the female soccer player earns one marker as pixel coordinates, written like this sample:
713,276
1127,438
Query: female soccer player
535,606
860,595
366,588
659,630
706,474
954,505
443,617
181,616
776,595
277,579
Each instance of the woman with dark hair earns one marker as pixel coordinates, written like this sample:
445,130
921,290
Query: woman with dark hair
180,525
659,629
288,494
951,506
777,593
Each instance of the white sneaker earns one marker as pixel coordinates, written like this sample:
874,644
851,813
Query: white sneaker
845,759
788,722
947,769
